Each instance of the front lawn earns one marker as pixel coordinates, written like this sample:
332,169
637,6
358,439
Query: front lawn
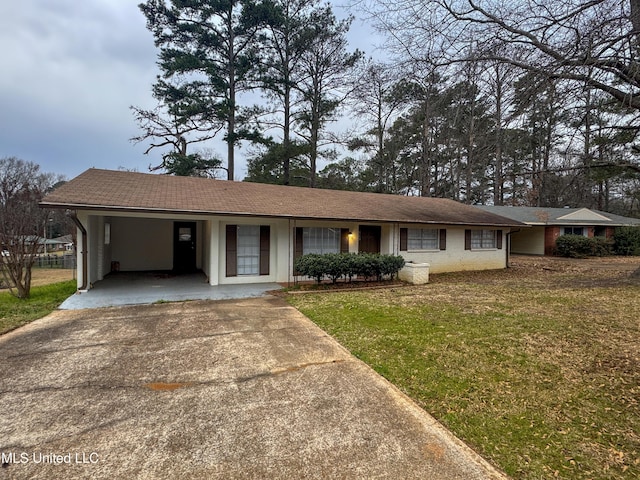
536,367
44,299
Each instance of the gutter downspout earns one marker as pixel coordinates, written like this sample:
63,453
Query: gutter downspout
73,216
509,245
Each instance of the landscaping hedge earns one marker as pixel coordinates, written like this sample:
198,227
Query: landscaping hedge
348,265
627,240
578,246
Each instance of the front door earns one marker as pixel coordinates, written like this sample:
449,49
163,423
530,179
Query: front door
184,247
369,239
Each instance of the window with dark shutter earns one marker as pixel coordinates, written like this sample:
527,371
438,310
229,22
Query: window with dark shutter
467,239
443,239
232,250
344,240
265,240
404,239
499,239
247,250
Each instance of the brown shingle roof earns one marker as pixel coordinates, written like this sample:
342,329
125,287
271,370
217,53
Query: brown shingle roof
129,191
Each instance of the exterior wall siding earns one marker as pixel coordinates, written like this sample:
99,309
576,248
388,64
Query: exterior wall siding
145,242
455,258
140,244
528,241
550,236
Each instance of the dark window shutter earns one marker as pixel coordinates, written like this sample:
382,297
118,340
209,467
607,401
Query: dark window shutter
467,239
298,248
232,250
344,240
404,236
443,239
499,239
265,239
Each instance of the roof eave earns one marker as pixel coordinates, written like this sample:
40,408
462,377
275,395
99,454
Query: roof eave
115,208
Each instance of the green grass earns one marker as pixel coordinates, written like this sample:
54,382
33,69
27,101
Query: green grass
44,299
543,380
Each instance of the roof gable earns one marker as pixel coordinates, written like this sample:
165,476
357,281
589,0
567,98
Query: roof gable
584,214
561,216
131,191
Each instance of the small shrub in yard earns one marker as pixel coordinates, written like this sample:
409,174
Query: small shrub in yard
311,265
577,246
601,247
391,265
627,241
573,246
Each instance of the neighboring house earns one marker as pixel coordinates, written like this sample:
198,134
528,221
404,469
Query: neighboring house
549,223
239,232
59,244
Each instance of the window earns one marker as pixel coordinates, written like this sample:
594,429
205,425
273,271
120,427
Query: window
248,250
320,240
574,231
422,239
184,234
482,239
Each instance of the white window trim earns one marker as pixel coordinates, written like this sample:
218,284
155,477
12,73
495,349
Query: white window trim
585,230
421,250
495,240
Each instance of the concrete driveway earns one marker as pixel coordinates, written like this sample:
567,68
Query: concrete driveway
230,389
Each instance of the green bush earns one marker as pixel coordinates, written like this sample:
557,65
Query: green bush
337,265
627,241
573,246
577,246
601,247
311,265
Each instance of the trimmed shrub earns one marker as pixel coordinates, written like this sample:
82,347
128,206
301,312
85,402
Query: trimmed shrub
311,265
573,246
577,246
601,247
627,241
337,265
391,265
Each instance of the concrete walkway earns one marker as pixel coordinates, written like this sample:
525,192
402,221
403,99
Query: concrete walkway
216,390
140,288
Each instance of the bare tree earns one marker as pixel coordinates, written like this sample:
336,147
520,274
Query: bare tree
378,98
594,43
22,222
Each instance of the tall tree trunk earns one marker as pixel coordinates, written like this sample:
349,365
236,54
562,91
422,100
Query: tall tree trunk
498,181
231,119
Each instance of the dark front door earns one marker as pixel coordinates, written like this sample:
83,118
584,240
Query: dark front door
369,239
184,247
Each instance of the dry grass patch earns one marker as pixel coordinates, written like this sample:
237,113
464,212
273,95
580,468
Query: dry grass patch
537,367
47,276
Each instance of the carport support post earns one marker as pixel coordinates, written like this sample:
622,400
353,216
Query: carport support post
214,254
81,255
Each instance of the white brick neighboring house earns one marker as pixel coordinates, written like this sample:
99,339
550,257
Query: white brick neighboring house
239,232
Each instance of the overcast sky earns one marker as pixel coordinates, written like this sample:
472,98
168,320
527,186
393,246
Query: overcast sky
69,70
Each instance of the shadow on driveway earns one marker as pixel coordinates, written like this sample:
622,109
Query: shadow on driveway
230,389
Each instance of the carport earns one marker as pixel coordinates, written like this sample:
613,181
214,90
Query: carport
139,288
